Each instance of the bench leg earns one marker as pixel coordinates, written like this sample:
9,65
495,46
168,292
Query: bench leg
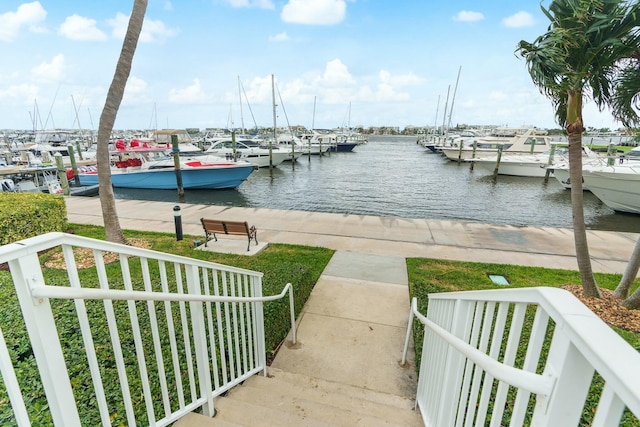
207,237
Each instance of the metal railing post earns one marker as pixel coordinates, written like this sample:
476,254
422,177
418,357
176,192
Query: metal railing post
46,346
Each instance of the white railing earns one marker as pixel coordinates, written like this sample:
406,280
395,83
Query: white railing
531,356
161,335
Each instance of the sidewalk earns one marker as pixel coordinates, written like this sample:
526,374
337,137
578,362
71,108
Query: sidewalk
399,237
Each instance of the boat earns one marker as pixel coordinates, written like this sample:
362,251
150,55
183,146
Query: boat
536,165
617,186
336,141
512,140
251,150
43,179
161,138
590,159
526,165
154,168
304,144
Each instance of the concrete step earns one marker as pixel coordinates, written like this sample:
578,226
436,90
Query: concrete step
286,399
331,407
236,413
332,387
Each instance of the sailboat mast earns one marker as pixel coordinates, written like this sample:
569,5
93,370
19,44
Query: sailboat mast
435,122
275,134
455,90
240,98
444,116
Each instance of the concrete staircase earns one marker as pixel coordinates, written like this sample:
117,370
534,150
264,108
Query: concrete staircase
286,399
345,369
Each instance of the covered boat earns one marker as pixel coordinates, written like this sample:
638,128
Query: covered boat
154,168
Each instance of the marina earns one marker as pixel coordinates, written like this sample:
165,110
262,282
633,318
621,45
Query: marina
393,176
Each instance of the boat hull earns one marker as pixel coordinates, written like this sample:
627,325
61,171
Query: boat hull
343,147
165,179
533,169
618,188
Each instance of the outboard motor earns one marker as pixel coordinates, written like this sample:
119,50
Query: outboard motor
7,185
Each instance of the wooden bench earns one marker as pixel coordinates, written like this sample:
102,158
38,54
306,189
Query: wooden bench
213,226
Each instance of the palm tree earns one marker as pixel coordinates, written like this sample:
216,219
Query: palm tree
112,229
586,51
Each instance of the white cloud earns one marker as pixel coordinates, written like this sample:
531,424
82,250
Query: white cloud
317,12
23,93
336,85
189,95
409,79
52,71
258,4
281,37
29,15
336,74
518,20
152,31
168,5
468,16
76,27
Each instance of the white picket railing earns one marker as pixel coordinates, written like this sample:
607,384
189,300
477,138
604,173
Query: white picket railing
480,365
159,332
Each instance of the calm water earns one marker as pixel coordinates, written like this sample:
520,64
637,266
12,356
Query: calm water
394,176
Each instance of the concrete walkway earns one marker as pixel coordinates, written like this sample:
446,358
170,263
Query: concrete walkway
398,237
352,329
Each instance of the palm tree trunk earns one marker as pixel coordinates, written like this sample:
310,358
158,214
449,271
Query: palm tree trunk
630,273
112,229
574,129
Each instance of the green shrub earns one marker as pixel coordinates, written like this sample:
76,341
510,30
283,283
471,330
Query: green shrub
24,215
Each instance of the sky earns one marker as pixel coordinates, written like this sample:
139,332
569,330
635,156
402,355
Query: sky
328,63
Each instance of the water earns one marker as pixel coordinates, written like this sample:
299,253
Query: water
394,176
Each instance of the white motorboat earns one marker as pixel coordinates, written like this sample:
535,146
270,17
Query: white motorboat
590,159
250,150
519,164
304,144
618,186
511,140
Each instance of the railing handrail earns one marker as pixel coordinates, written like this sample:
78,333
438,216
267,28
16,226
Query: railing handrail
50,240
46,291
616,361
534,383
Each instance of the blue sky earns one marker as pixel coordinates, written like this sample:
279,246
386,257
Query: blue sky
358,62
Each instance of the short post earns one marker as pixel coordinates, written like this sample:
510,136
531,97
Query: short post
233,144
74,165
611,154
460,151
79,148
473,153
62,174
495,171
550,162
176,162
177,219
